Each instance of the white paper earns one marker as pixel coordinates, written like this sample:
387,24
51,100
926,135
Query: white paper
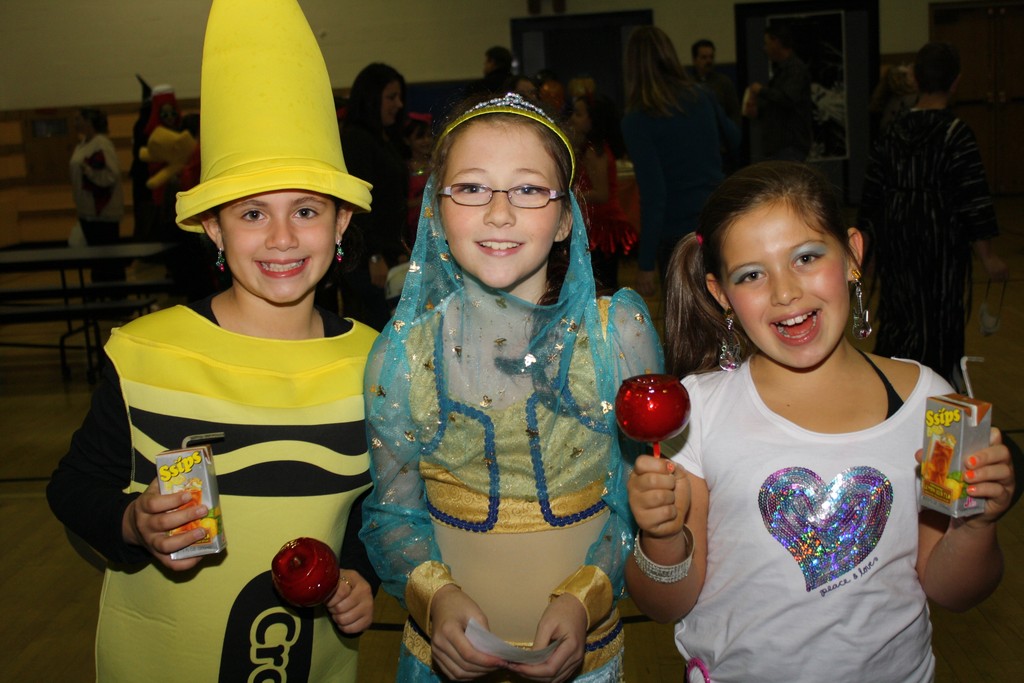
488,643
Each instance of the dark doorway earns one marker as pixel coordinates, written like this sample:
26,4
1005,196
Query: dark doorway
578,45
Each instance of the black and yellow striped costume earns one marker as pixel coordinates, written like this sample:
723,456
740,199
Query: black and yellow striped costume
292,463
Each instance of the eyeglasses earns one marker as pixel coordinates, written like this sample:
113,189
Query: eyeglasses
522,196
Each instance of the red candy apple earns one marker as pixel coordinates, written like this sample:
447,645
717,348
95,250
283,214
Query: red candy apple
652,408
305,572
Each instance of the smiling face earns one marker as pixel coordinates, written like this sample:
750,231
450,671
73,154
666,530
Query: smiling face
390,103
787,282
503,246
278,244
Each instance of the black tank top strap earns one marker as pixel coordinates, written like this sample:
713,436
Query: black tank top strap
893,399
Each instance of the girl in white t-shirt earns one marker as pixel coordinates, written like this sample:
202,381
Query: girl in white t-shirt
785,537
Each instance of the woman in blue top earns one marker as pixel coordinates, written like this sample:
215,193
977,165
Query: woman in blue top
674,131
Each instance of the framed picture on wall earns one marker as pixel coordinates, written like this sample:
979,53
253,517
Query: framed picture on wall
838,41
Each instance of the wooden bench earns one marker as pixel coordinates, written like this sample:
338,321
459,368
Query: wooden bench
86,314
88,292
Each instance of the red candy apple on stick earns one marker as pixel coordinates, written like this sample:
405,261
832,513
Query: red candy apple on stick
652,408
305,572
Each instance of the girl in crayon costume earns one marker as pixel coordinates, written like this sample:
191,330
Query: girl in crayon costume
498,468
280,378
805,555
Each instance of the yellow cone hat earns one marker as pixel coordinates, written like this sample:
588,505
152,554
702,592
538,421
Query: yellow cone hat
268,118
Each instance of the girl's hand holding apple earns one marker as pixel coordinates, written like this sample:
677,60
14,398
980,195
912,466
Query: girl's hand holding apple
659,496
351,605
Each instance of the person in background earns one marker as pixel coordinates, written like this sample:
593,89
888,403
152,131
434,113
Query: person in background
673,131
597,138
498,469
142,196
783,106
190,174
523,85
582,85
895,94
551,92
497,71
258,362
168,150
926,206
96,188
164,118
704,73
796,489
198,276
418,135
371,135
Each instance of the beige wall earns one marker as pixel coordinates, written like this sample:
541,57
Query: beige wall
74,52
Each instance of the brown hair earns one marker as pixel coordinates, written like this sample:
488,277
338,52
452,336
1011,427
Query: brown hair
655,79
694,324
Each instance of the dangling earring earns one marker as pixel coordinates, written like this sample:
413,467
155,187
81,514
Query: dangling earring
861,315
729,352
219,263
339,253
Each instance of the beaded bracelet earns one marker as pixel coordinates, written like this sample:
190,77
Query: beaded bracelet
659,572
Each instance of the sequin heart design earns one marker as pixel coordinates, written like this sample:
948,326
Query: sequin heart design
827,528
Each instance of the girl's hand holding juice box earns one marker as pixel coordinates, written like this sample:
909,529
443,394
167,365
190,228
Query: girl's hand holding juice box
955,427
191,469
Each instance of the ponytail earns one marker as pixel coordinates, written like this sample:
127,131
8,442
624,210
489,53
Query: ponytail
694,321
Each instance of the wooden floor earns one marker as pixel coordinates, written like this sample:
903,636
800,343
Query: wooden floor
50,592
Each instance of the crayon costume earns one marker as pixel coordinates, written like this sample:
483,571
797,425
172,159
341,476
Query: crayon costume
282,473
496,459
293,461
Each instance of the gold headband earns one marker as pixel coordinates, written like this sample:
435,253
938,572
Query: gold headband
512,103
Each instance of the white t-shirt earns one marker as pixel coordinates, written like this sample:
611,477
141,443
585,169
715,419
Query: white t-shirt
812,542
